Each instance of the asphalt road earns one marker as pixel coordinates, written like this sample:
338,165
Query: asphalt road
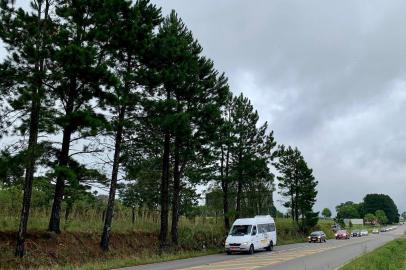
303,256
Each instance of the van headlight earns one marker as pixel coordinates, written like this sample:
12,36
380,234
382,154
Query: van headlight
245,243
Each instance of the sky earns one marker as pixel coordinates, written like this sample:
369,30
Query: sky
328,76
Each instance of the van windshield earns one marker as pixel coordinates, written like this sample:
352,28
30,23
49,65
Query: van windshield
240,230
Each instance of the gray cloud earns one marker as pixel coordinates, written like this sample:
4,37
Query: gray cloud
328,76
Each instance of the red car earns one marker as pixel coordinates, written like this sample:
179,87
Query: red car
342,234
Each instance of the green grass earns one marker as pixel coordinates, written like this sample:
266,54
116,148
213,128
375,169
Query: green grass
209,230
391,256
197,237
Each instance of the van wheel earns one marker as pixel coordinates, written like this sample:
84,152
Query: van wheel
270,247
251,250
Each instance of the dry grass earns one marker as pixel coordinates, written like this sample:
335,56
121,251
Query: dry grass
131,244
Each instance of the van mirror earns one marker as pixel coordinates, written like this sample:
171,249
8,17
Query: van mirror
254,231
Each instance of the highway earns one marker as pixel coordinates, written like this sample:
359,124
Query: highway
303,256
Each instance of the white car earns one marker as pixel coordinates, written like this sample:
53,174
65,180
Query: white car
251,234
364,232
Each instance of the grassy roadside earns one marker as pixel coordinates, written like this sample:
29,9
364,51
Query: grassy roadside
391,256
131,244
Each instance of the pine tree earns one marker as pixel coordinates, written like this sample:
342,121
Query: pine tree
298,185
199,112
79,74
222,148
306,195
129,32
246,151
23,78
176,53
182,107
286,166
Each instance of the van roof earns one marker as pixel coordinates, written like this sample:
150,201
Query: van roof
253,221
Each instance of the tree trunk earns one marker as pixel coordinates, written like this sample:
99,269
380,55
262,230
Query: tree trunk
55,219
164,191
239,194
239,187
224,186
54,222
104,243
164,200
292,206
29,175
296,188
32,143
176,193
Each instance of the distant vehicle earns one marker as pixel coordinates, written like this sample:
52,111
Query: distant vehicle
317,236
356,233
364,232
342,234
251,234
384,230
375,231
335,227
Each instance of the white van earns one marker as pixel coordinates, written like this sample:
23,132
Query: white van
250,234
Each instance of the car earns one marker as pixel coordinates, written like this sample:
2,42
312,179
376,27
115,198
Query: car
364,232
251,234
317,236
384,230
356,233
335,227
342,234
375,231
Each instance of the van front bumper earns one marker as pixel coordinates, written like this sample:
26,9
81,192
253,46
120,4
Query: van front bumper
239,248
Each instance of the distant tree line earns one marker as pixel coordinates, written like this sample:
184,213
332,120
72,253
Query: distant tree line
374,208
111,94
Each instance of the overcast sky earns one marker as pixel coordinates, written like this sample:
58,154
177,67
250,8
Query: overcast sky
328,76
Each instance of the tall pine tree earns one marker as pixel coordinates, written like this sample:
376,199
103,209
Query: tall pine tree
298,185
23,79
129,30
79,73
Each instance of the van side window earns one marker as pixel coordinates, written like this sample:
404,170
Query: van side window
254,230
272,227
